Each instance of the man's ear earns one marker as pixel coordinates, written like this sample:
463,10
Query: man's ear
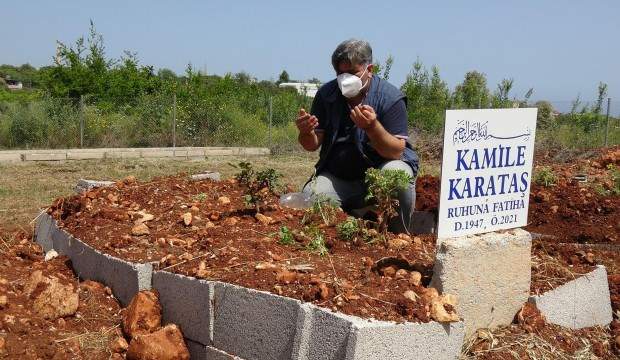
371,68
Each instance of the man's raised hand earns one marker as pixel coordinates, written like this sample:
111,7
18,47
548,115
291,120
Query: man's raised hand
305,122
364,116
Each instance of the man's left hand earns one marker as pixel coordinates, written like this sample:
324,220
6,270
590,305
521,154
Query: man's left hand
364,117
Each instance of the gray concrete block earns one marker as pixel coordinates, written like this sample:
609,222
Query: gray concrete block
186,301
85,155
322,334
122,154
489,274
383,340
196,153
10,157
580,303
61,240
45,156
45,224
327,335
423,222
85,185
155,153
124,278
254,151
197,351
220,151
254,324
213,175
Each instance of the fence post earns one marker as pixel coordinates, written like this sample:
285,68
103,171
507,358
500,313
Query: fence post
81,121
270,120
607,122
174,121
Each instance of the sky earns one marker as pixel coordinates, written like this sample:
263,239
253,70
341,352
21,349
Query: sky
559,48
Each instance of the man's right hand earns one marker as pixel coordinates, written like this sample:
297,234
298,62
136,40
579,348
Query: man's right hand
306,123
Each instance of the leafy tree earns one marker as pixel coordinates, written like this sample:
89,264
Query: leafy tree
283,78
544,118
166,74
428,97
472,93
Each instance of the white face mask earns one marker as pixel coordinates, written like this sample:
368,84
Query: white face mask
350,85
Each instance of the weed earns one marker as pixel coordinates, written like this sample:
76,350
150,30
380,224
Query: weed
285,236
200,197
317,242
383,188
246,172
349,229
323,207
544,176
259,184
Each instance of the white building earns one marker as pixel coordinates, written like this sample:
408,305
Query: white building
308,89
14,84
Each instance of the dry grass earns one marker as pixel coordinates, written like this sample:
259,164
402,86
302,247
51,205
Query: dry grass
513,343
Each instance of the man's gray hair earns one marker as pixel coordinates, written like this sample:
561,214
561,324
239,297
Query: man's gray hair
353,51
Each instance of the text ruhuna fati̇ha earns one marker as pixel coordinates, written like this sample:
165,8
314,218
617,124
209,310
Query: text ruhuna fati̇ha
489,158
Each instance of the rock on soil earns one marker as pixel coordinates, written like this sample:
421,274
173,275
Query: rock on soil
143,315
164,344
51,299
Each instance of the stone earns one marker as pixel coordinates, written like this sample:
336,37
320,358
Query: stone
143,315
265,220
592,307
84,185
119,344
164,344
51,299
4,301
140,230
223,200
51,255
211,175
489,273
415,278
187,218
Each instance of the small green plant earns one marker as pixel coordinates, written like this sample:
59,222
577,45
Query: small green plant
349,229
200,197
615,178
285,236
383,189
259,184
317,242
324,207
545,177
246,172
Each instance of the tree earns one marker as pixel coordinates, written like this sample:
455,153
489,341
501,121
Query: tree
383,70
166,74
472,93
500,98
544,119
283,78
602,93
427,97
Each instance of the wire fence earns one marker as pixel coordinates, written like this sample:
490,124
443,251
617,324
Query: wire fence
262,121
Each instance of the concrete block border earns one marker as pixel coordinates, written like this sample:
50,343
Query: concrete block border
580,303
124,278
225,321
122,153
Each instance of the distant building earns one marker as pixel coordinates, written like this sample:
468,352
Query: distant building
308,89
13,84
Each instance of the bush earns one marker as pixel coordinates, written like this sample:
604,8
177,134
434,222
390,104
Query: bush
544,176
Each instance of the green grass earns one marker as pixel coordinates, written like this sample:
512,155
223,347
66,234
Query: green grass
25,188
